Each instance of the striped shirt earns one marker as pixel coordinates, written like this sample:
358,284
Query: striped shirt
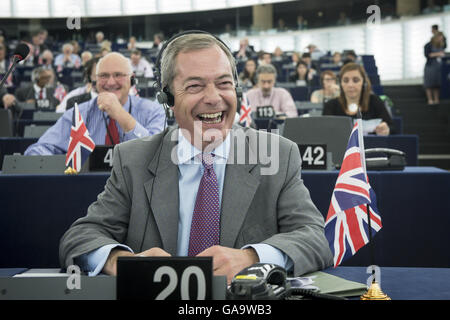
149,116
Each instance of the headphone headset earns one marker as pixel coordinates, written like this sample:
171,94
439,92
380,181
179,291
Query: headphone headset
163,94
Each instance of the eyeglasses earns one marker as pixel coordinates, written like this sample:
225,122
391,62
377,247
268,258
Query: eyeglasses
118,76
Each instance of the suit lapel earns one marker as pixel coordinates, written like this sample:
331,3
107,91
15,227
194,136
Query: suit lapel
164,201
240,185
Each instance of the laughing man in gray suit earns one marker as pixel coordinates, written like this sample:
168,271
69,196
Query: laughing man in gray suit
150,200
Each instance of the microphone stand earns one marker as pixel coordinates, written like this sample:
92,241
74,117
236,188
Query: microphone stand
13,66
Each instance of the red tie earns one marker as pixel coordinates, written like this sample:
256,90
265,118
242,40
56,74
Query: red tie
112,130
41,94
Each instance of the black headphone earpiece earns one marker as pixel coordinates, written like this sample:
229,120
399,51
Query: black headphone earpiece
133,80
163,95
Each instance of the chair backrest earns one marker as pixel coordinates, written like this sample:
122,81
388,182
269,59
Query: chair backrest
34,131
19,164
333,131
6,123
46,116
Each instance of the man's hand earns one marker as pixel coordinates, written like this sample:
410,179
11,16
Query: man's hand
108,102
229,261
8,100
110,266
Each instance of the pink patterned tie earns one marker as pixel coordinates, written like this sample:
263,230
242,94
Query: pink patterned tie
205,227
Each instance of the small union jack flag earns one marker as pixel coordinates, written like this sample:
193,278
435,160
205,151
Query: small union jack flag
244,115
80,143
60,92
346,226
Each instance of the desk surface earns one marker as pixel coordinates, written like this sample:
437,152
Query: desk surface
404,283
414,204
397,283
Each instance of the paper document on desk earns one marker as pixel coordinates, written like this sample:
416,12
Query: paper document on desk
41,273
303,283
370,125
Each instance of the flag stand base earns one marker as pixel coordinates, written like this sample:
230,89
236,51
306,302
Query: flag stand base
69,170
375,293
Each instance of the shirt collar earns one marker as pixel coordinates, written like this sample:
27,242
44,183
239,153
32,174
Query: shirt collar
186,151
268,96
37,88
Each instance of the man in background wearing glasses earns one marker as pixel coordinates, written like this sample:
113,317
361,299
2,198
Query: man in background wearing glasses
112,117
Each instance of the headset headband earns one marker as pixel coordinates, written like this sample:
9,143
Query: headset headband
163,95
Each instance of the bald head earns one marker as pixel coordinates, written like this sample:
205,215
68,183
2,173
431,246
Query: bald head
113,73
115,58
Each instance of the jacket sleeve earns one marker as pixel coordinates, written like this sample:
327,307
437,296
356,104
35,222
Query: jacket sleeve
301,226
106,221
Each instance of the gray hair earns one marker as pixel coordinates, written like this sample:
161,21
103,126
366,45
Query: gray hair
186,43
67,45
266,68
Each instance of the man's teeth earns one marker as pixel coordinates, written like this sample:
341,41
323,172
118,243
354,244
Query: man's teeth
211,117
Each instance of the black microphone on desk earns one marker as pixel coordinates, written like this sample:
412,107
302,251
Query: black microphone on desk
21,52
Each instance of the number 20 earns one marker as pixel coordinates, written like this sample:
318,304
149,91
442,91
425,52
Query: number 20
173,280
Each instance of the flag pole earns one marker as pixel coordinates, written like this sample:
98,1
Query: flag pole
374,292
363,160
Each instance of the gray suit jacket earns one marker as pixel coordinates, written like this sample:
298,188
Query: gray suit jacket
140,204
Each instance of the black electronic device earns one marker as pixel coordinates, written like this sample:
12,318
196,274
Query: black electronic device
261,281
385,159
268,281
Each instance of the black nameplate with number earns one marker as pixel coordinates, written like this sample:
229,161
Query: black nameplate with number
101,159
164,278
43,104
314,156
265,112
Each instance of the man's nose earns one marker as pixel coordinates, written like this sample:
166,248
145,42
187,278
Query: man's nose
212,95
111,81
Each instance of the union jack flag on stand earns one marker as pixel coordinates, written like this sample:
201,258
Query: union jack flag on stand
80,144
244,115
347,223
60,92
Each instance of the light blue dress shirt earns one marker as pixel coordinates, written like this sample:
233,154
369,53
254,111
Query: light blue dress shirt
75,60
149,116
191,171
